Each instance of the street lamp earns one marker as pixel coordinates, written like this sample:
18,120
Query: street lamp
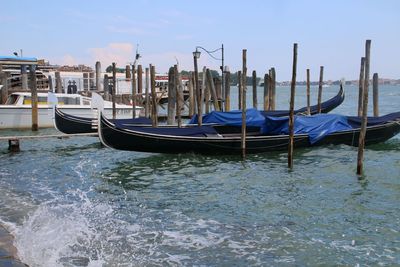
197,53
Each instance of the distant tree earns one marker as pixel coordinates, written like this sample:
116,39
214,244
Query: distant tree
118,70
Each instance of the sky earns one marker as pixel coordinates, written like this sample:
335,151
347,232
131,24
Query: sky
328,33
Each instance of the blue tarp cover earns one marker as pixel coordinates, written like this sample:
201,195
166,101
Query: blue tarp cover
233,118
316,126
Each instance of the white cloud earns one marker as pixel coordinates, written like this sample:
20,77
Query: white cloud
69,60
163,61
120,53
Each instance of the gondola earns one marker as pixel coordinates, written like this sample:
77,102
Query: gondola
222,139
70,124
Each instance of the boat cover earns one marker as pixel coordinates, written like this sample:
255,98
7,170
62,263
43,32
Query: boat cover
316,126
140,120
233,118
173,131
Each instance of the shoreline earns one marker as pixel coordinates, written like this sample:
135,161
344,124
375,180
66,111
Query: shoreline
8,252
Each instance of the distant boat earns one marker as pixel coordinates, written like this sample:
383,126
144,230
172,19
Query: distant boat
16,113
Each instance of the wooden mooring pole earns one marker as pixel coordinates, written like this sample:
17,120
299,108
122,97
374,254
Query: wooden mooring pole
140,80
34,97
361,87
266,91
243,94
106,86
206,91
361,143
227,85
197,89
321,80
291,112
273,89
171,96
254,80
179,97
114,90
134,92
211,86
154,107
146,97
375,94
4,89
58,82
240,82
98,76
191,94
308,93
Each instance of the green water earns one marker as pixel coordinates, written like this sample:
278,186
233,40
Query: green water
71,202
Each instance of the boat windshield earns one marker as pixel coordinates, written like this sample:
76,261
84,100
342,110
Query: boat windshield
61,100
69,100
12,99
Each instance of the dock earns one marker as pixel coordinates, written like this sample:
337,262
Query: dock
13,141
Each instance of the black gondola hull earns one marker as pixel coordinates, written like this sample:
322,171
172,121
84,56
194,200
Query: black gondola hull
131,140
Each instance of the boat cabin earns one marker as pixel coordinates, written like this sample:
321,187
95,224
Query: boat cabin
22,99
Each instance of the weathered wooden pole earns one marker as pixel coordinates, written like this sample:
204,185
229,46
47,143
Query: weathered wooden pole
218,91
140,80
291,109
191,95
98,76
375,94
273,89
147,101
308,93
171,96
114,92
254,89
58,82
128,72
197,89
179,97
51,87
134,92
227,85
271,95
266,91
154,107
4,89
321,81
361,87
206,91
34,97
240,82
24,78
244,89
106,86
363,130
211,86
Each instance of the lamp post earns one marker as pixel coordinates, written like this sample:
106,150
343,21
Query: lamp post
133,80
196,55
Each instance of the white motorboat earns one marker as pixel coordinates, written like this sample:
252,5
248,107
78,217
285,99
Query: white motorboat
16,113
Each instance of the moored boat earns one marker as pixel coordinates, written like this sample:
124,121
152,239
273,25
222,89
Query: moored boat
16,113
220,139
75,124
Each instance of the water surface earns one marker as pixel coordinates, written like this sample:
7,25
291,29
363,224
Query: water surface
71,202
